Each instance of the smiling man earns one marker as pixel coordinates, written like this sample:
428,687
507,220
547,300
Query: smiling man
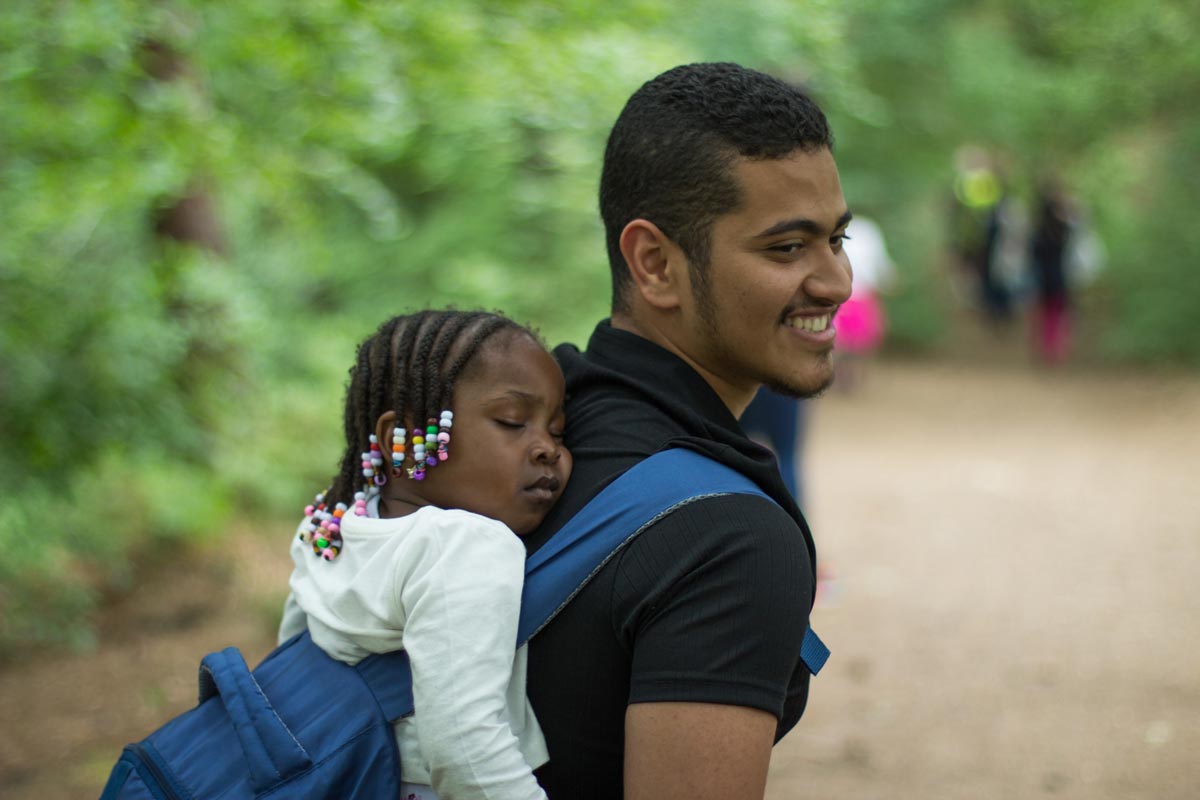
675,670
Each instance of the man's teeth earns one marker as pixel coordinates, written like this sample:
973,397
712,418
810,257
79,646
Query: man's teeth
814,324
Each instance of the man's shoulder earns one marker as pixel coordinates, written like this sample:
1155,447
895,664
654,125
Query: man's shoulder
746,520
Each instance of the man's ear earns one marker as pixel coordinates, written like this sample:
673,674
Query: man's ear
657,266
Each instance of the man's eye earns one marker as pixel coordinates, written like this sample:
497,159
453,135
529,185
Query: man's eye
787,249
838,241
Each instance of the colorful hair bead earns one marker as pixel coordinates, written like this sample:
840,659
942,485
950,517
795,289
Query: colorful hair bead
446,422
322,528
431,430
373,463
379,477
418,452
398,436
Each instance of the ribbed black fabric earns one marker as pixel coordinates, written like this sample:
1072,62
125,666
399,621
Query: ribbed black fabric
708,605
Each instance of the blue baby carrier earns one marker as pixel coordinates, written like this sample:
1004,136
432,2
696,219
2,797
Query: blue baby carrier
304,725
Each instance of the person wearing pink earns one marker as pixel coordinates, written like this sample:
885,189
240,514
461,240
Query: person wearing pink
861,322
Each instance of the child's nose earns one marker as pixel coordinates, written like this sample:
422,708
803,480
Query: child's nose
547,450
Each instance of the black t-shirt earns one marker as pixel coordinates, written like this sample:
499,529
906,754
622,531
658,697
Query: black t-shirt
709,604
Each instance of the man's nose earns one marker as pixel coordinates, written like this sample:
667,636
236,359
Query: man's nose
832,278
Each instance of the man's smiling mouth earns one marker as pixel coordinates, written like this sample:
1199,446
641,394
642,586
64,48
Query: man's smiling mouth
809,323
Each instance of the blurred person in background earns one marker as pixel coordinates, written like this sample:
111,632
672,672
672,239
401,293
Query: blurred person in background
778,422
1047,261
1064,257
988,235
861,321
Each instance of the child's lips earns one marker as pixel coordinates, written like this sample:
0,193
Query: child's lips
544,489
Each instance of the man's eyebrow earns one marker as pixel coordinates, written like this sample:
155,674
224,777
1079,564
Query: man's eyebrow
802,225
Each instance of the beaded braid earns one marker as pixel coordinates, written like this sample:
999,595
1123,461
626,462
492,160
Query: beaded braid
421,367
321,528
404,361
425,411
435,366
432,441
382,368
402,346
356,422
483,333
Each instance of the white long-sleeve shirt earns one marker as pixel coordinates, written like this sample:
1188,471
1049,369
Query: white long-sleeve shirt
444,585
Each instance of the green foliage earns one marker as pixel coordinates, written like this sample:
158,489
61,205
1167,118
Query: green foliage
369,157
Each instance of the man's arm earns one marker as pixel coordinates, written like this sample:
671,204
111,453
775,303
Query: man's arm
696,751
715,611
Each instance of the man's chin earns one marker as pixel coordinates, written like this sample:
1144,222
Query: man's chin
804,388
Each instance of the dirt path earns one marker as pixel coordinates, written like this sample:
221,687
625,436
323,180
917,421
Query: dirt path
1014,613
1018,615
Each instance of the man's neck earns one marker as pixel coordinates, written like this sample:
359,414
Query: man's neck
735,398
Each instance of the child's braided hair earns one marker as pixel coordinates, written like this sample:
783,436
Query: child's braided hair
409,366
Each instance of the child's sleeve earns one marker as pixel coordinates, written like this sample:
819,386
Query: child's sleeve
294,619
461,598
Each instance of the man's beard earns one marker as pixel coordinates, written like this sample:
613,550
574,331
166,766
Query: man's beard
707,311
799,392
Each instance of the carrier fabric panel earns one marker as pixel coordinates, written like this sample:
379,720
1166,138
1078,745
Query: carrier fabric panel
328,709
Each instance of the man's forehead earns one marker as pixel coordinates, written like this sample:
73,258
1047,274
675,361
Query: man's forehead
801,185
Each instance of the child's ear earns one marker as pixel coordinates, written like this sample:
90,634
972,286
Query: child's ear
383,433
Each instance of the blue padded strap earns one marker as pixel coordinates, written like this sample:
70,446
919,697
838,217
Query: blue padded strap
626,507
813,651
622,510
272,752
389,677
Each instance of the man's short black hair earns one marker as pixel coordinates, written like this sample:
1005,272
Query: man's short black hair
670,154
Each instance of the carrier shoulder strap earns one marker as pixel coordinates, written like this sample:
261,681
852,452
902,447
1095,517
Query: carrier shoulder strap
640,497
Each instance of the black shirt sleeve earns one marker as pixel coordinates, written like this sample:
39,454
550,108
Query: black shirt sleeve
712,603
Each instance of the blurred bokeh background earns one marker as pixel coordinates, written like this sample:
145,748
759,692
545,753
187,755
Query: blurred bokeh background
204,205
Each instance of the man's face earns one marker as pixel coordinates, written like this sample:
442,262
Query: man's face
775,280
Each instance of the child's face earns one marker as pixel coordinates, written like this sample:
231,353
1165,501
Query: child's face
507,459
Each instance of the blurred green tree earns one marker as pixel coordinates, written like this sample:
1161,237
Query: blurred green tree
339,161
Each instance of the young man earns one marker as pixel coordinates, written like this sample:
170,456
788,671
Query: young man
676,669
